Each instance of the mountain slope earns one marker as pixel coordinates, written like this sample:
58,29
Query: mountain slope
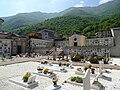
106,9
74,11
27,19
67,25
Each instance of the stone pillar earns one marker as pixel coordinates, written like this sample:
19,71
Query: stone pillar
54,53
86,80
101,65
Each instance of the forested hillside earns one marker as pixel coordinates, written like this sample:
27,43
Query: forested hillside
22,20
82,20
67,25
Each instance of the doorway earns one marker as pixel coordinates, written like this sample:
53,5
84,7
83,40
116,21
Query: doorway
19,49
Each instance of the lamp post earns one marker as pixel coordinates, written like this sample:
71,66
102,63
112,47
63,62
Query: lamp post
54,52
29,47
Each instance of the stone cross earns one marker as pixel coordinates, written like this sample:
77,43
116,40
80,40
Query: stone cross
86,80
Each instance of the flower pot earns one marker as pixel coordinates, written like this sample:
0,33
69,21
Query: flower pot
55,83
25,80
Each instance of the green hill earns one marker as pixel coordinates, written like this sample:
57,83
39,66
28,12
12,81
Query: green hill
27,19
67,25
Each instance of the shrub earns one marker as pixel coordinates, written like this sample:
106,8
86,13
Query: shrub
100,58
60,64
73,78
77,79
45,62
94,60
64,64
76,57
67,64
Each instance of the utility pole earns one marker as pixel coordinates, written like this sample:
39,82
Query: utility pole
29,47
54,52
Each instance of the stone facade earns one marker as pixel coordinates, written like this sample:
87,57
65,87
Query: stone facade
5,48
115,50
107,41
12,44
47,34
79,44
77,40
40,46
20,45
104,33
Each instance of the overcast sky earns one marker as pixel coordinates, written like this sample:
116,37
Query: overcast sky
12,7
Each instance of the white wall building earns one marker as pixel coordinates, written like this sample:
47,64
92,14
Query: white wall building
5,48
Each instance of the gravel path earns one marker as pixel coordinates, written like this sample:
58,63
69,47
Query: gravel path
111,81
42,58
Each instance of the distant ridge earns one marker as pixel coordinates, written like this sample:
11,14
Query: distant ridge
27,19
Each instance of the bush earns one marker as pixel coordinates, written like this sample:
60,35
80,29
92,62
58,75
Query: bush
67,64
100,58
77,79
64,64
94,60
73,78
60,64
76,57
45,62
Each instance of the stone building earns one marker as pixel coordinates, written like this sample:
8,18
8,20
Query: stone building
40,46
19,45
79,44
104,33
12,44
77,40
115,50
5,47
47,34
105,43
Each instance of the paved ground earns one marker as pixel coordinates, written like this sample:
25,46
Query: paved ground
44,58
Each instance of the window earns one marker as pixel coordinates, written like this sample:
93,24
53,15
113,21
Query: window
5,44
75,39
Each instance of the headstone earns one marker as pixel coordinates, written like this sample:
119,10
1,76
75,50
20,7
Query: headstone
101,66
86,80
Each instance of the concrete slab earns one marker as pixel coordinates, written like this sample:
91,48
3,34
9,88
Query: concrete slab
18,80
51,87
45,75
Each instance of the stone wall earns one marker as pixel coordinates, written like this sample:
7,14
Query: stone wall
115,50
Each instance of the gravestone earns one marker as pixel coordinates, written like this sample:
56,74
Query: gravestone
86,80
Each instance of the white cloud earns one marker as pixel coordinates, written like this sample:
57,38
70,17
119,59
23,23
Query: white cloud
104,1
80,4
